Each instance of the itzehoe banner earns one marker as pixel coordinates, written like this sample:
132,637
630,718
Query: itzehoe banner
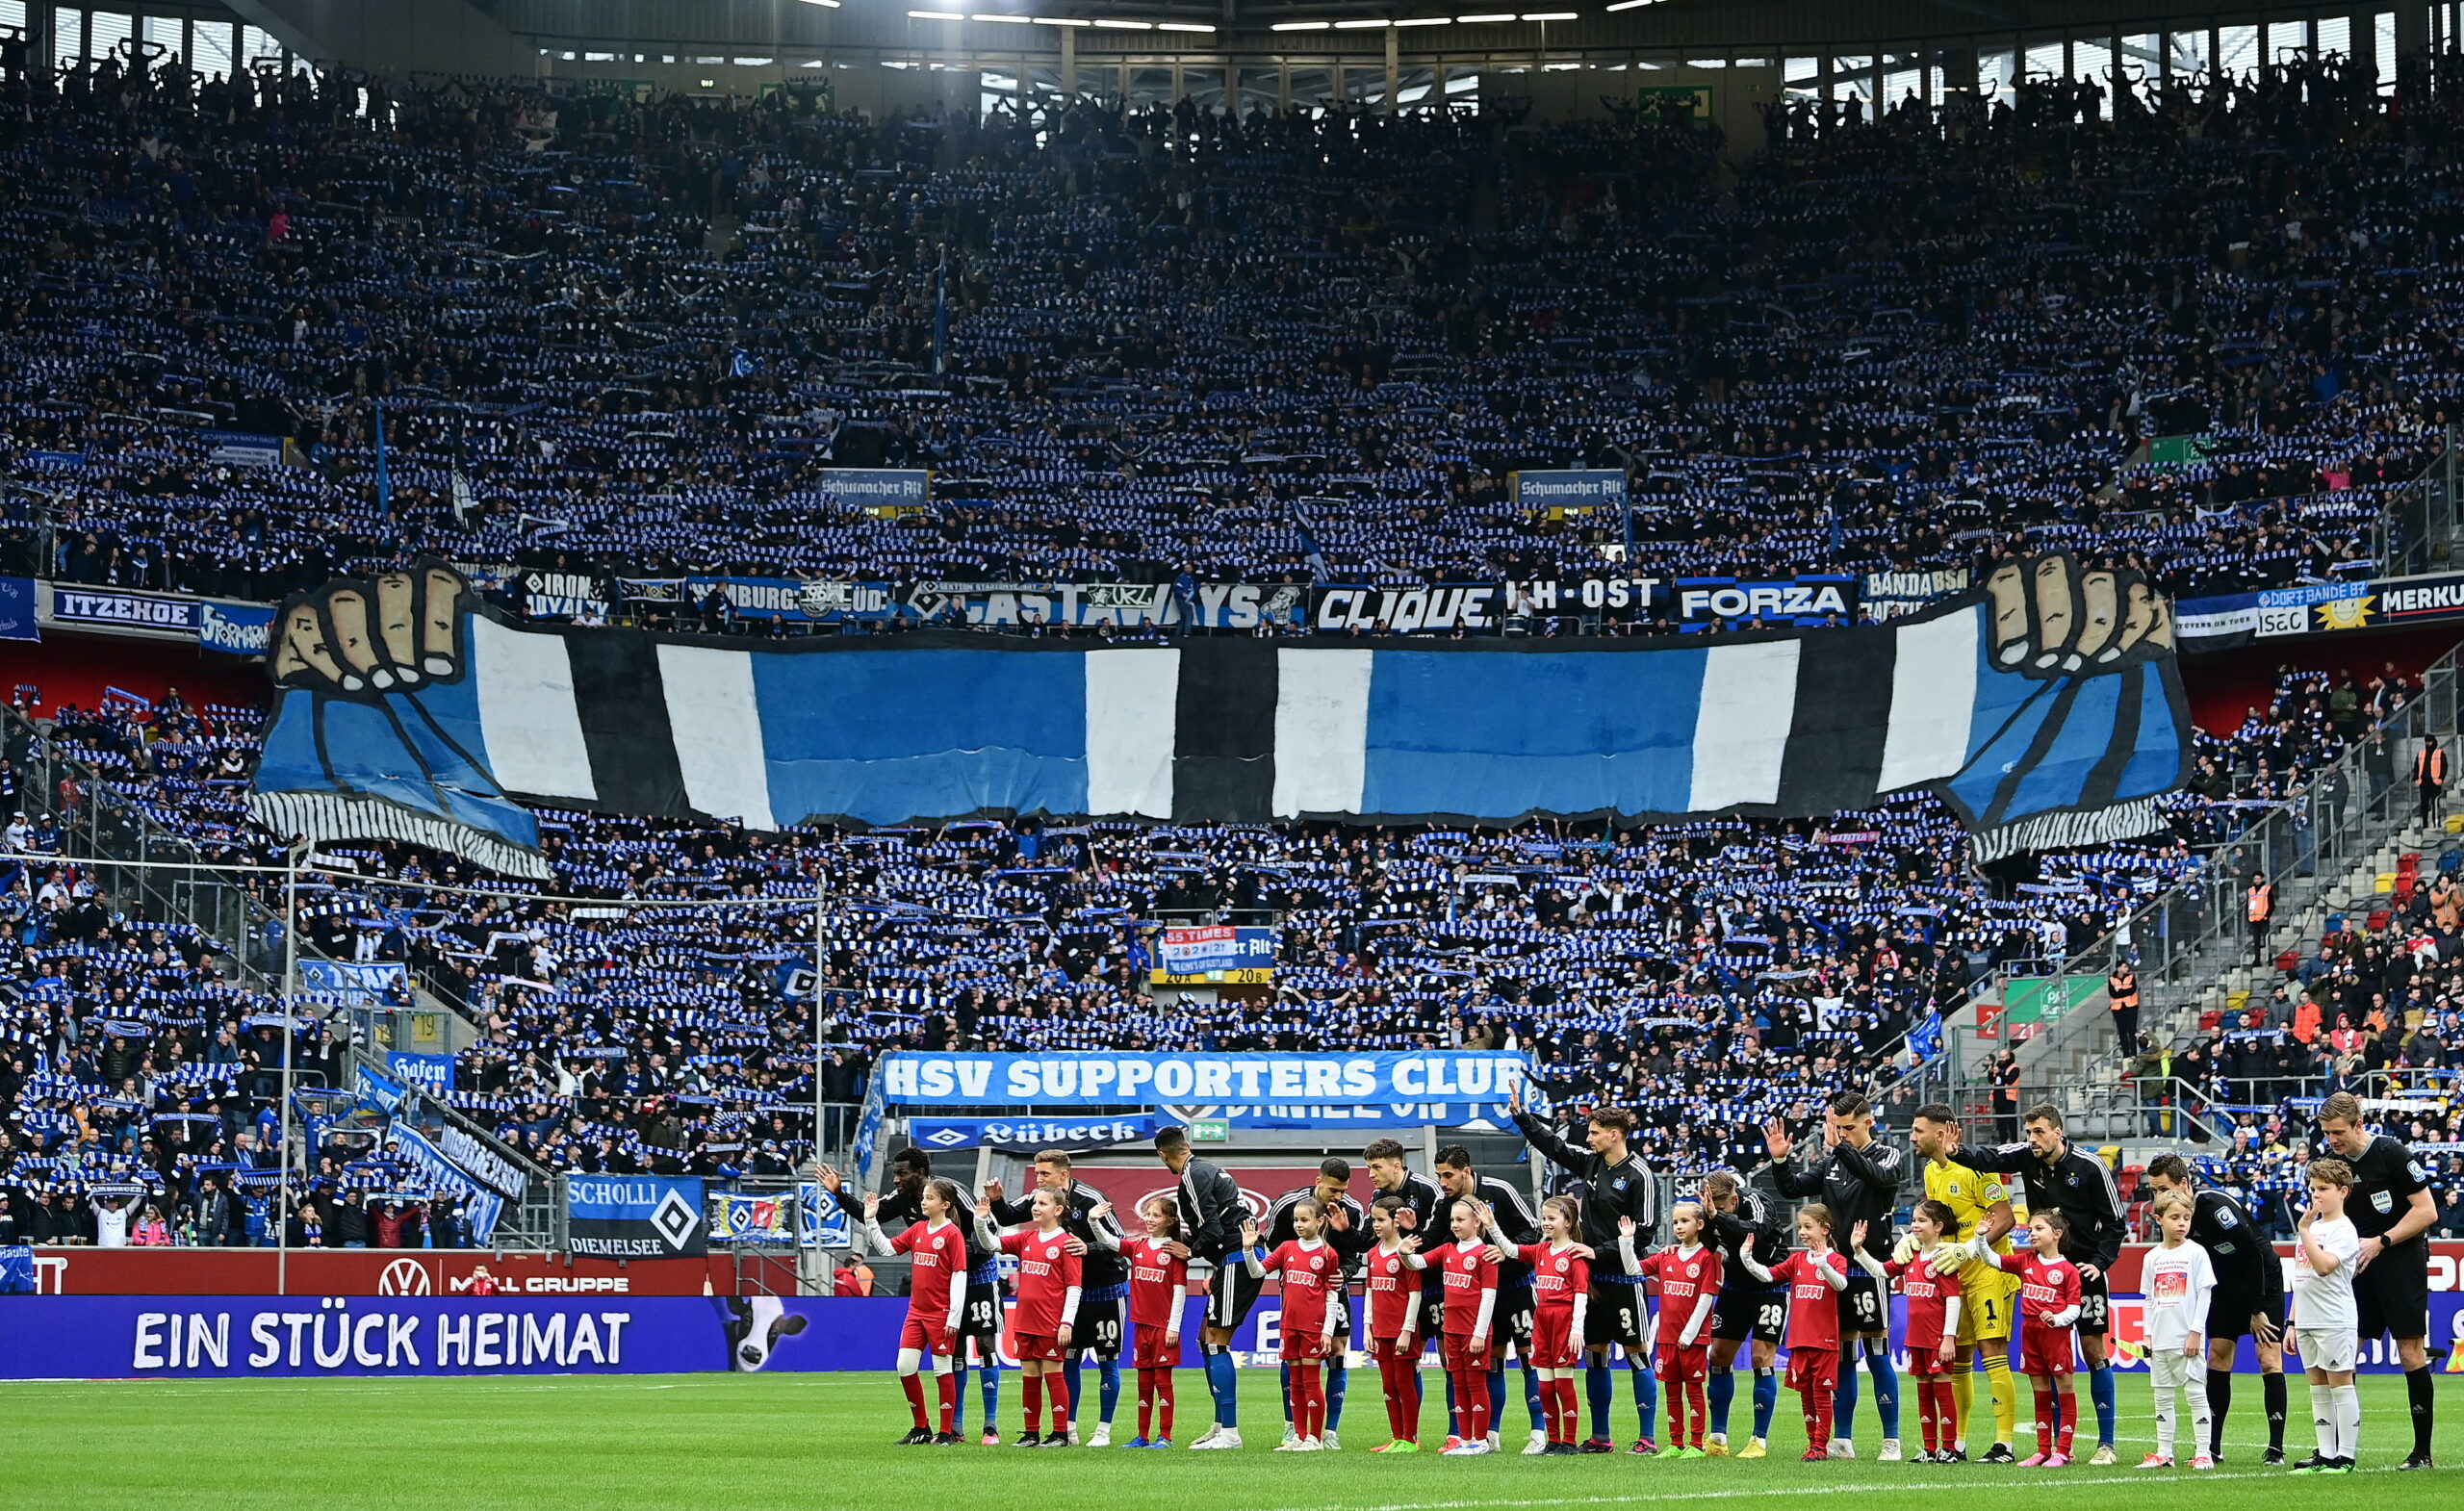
635,1217
1028,1135
2044,709
1447,1088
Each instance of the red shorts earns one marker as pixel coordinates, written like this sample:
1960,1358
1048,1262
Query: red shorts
1554,1344
1926,1363
1149,1351
1301,1348
1684,1365
2044,1351
1813,1368
923,1334
1033,1348
1383,1349
1459,1356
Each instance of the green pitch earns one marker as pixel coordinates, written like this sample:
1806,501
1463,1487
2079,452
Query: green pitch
825,1440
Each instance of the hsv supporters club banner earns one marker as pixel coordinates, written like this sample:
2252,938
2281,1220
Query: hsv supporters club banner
2046,708
1447,1088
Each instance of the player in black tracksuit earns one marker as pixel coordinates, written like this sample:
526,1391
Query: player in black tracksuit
2249,1298
2057,1177
1616,1185
1211,1212
1738,1220
1859,1180
1347,1233
1510,1215
1104,1295
902,1204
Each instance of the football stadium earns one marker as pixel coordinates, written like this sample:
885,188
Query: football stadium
764,749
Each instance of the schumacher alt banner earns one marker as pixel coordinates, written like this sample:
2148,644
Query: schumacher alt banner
2046,708
635,1217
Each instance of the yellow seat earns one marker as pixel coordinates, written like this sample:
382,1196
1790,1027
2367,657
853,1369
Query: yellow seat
2386,881
2455,823
2236,1000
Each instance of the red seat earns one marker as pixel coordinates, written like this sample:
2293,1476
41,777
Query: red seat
2378,918
2209,1020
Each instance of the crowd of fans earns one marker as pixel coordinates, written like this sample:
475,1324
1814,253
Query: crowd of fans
633,338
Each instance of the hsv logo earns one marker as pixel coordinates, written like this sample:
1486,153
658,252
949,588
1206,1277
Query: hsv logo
404,1277
674,1220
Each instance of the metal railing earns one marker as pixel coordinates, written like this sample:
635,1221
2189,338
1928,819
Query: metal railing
143,868
2304,845
2416,532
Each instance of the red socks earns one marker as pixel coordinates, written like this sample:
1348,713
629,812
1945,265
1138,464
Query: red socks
1400,1380
1308,1399
1817,1407
1940,1412
1673,1394
949,1384
1033,1385
1154,1396
1471,1404
2057,1419
1697,1403
1558,1405
913,1386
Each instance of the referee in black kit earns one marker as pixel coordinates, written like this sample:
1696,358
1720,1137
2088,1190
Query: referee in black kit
2392,1208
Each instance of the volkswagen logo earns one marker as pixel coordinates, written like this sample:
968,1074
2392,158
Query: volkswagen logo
404,1277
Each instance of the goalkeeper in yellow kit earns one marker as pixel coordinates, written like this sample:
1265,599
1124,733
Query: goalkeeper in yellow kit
1979,1204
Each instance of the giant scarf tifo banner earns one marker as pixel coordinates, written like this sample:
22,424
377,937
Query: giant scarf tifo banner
2046,708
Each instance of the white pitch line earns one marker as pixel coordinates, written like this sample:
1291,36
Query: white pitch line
2056,1480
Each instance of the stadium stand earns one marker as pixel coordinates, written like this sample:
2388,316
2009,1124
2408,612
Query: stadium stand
1176,344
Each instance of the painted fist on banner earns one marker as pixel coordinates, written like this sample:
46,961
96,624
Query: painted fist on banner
366,639
389,733
2080,651
2051,617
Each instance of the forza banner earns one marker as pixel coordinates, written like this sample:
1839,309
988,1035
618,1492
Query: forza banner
1806,601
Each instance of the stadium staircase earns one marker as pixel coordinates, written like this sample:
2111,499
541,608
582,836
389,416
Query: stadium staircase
106,829
2338,859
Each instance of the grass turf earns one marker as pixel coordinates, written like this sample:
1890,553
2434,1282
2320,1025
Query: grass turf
616,1443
